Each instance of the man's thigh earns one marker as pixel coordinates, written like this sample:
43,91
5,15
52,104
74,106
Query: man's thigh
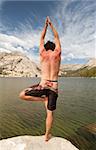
52,99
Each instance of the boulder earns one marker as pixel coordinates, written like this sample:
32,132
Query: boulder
35,143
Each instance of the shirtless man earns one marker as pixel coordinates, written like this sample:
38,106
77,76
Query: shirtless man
47,89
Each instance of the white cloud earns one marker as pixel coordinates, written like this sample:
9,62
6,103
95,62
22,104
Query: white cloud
10,43
25,42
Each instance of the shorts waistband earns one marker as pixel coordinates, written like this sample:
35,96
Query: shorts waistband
52,80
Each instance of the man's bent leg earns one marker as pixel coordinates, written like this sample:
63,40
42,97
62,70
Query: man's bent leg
30,98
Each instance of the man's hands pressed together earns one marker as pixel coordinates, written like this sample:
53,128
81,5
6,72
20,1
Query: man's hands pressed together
46,21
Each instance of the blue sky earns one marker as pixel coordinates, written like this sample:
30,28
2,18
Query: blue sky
21,23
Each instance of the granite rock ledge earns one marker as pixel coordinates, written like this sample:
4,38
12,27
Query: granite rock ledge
35,143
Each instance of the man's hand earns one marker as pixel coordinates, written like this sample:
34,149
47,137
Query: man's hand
46,22
49,21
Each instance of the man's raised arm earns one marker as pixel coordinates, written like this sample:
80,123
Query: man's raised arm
56,36
43,35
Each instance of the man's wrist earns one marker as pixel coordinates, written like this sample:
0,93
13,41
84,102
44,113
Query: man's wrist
50,24
46,25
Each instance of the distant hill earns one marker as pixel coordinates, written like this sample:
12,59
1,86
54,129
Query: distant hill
17,64
77,70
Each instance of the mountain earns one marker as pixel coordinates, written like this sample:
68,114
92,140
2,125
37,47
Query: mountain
70,66
77,70
17,64
91,63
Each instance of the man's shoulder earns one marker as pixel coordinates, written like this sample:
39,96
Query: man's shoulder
43,52
57,51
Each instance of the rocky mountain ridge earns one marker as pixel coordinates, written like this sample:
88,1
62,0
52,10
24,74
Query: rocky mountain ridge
90,64
16,64
79,70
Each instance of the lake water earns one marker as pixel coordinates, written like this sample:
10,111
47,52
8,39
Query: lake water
75,116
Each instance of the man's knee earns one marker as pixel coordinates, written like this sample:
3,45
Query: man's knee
22,95
49,113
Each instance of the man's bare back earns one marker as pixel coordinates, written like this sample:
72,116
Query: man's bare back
50,64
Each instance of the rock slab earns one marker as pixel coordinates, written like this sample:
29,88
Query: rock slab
35,143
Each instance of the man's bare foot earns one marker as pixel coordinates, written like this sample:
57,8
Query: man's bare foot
48,137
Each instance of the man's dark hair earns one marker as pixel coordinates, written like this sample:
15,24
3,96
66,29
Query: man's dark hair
49,46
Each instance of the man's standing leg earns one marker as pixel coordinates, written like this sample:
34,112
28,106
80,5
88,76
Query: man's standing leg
49,121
